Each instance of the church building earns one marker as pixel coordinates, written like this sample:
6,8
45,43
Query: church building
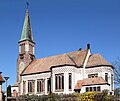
79,71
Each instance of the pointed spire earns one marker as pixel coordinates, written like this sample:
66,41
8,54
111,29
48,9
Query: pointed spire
27,31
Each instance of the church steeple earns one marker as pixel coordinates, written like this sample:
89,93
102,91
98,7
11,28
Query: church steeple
26,46
26,31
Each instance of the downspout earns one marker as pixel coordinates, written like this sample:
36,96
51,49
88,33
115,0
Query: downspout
51,81
88,53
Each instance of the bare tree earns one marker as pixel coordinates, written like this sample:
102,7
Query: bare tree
116,65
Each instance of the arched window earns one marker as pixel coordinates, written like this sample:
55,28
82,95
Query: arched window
40,85
31,86
22,48
59,82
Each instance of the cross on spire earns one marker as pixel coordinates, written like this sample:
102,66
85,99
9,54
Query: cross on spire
27,4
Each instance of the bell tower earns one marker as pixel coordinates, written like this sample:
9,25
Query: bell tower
26,46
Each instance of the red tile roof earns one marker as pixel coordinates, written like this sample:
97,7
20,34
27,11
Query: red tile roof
44,64
90,81
73,58
78,57
1,79
96,60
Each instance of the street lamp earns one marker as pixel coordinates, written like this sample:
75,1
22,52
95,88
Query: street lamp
6,78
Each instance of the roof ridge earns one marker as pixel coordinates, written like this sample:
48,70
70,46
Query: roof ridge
27,66
71,59
60,54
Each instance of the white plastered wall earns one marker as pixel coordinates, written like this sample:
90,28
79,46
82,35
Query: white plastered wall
66,70
101,70
35,77
14,88
103,87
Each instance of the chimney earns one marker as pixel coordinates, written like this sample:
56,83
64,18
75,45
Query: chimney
88,46
80,49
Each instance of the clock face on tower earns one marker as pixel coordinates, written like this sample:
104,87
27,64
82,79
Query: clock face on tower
21,67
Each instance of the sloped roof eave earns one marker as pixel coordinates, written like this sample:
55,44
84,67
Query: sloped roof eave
90,81
57,66
96,84
34,73
99,66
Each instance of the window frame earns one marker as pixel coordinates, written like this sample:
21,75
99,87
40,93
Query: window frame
93,75
91,89
98,88
48,85
22,48
40,85
106,77
70,81
94,88
31,86
87,89
59,82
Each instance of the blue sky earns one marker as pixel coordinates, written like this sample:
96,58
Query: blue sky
59,26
